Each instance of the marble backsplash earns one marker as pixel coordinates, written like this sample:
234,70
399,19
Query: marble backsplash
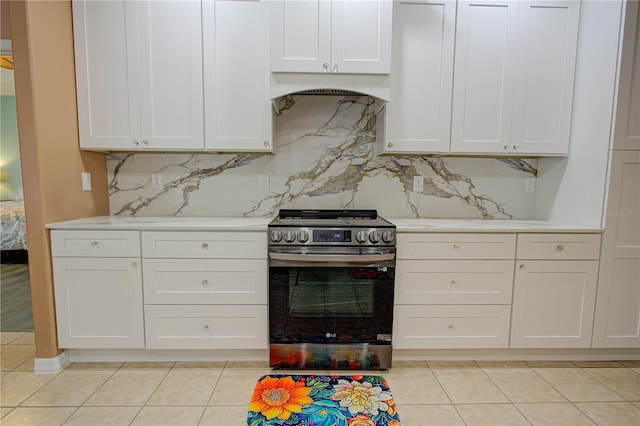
324,158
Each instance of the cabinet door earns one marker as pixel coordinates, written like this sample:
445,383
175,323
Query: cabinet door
483,86
622,222
627,130
547,43
361,36
171,74
237,105
108,92
617,322
553,304
419,117
300,35
99,302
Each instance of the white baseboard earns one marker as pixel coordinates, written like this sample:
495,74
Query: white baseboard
51,365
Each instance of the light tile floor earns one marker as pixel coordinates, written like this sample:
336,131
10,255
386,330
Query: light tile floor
218,393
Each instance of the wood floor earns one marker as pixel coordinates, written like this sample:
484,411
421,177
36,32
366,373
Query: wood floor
15,298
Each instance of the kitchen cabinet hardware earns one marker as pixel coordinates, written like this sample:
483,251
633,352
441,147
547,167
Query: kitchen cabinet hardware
205,246
205,283
95,244
560,248
134,265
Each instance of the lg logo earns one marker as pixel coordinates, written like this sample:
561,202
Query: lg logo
330,335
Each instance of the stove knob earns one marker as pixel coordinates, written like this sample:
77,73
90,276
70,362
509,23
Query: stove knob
374,236
387,236
289,236
303,236
361,237
276,236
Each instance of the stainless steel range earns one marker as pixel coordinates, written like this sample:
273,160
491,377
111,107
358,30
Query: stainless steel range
331,283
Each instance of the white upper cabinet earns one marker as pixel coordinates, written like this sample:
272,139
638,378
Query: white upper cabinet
139,75
236,71
331,36
627,130
513,79
418,118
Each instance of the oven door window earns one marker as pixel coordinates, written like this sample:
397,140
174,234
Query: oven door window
331,304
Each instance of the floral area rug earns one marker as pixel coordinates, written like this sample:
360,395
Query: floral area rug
317,400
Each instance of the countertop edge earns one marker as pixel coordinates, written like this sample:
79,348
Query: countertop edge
241,224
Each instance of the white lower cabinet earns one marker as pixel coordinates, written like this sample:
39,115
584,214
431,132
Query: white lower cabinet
205,290
453,290
554,300
99,302
98,299
206,326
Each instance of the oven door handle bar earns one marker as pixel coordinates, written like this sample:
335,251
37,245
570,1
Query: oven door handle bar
357,258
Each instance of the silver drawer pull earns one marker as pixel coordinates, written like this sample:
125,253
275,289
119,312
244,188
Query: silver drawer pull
205,246
560,248
452,328
205,283
134,265
95,244
205,328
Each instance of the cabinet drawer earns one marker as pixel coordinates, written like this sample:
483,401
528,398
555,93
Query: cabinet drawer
456,246
203,245
559,246
451,326
205,281
206,327
472,282
95,243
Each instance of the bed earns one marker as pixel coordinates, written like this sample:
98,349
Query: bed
13,232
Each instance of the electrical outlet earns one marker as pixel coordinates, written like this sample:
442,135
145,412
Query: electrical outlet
156,181
418,183
263,182
530,185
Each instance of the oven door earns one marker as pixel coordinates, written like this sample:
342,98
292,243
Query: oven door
331,295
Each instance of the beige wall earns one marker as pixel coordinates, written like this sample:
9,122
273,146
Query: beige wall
51,160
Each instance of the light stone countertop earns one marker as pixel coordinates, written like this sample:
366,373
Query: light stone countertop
260,224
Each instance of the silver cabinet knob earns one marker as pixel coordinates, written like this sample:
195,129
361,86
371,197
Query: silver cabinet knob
451,328
389,145
135,142
267,144
336,68
205,328
95,245
134,265
455,247
506,148
205,246
453,284
560,248
145,142
522,267
205,283
325,67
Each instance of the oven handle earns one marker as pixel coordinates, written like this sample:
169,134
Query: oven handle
353,258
